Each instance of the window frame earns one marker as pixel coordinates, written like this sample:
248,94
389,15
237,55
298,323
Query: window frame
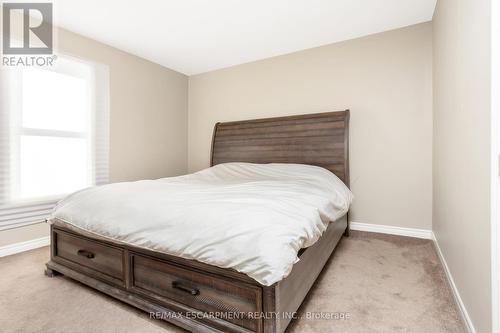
19,212
19,130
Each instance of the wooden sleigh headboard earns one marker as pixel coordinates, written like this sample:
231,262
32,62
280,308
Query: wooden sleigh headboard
320,139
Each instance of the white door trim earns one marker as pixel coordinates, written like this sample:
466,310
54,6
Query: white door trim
495,167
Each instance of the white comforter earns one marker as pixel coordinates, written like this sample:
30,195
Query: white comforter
253,218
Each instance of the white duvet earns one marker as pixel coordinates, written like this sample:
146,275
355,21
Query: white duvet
253,218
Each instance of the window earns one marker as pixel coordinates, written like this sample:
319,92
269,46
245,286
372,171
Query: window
53,136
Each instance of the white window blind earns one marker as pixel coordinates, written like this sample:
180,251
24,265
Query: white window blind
54,130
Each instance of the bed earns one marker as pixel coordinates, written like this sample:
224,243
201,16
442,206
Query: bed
199,295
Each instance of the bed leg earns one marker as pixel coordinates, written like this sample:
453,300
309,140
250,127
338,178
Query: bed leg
348,228
51,273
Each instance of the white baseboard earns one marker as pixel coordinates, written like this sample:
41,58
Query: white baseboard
7,250
391,230
469,326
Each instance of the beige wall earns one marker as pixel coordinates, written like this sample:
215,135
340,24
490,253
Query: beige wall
148,110
148,118
23,234
461,206
386,82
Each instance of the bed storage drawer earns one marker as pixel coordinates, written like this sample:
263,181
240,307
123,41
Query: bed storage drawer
98,259
234,302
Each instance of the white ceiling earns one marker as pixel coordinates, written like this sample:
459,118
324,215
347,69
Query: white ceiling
195,36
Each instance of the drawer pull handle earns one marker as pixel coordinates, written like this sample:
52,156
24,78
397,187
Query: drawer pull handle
86,254
180,286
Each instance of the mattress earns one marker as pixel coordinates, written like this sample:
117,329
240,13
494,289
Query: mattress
253,218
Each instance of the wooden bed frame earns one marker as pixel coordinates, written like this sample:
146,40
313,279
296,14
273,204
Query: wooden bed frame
205,298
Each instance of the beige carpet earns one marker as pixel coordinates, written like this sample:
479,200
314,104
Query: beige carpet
384,284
